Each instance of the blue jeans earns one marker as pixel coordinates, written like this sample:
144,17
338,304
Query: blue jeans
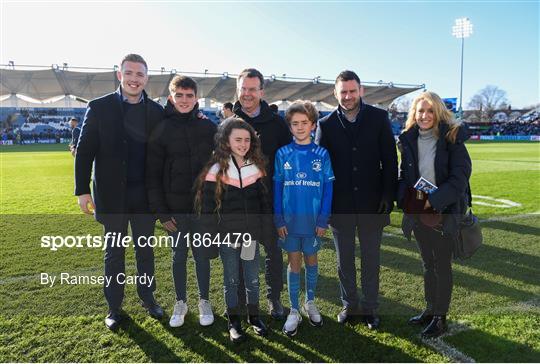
179,263
230,258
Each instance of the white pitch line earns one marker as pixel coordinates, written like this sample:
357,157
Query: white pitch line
446,349
500,202
454,328
512,217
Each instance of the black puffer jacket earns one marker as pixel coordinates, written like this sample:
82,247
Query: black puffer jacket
178,149
245,205
452,172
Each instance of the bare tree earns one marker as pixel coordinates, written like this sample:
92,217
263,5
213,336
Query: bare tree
401,104
486,101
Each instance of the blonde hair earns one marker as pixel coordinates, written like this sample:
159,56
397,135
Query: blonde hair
440,115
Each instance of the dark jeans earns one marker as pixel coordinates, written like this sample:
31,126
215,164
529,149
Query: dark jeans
142,225
369,236
232,262
179,262
436,251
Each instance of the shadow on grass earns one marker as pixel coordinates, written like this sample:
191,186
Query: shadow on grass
348,344
328,290
411,266
152,347
200,340
513,227
495,260
487,347
213,345
492,259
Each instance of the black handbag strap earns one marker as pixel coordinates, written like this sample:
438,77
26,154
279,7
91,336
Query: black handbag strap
469,194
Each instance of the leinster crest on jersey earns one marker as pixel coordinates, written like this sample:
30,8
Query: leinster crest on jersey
316,165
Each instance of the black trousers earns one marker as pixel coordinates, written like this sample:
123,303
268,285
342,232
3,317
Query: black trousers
273,274
436,252
369,229
142,224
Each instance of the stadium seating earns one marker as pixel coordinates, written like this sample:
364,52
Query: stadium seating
51,122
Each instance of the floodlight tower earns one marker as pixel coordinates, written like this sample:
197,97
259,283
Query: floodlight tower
462,29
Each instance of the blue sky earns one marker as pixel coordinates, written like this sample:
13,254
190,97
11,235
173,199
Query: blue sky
398,41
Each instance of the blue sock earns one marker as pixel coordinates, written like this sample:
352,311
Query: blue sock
293,284
312,272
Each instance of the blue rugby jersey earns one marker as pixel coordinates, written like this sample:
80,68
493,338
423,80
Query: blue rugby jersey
303,180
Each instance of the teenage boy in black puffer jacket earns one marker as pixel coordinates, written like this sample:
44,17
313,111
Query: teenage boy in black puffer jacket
178,149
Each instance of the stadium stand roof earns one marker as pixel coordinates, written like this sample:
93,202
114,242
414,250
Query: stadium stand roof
44,84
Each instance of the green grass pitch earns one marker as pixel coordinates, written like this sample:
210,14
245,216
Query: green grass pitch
495,313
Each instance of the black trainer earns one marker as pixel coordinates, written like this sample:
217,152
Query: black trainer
153,309
436,327
112,321
236,334
423,318
372,321
276,309
346,314
255,321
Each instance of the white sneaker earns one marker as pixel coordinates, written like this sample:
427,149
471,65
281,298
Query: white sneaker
293,320
206,316
179,312
311,310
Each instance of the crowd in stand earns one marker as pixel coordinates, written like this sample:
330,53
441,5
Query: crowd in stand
527,124
524,125
25,138
23,126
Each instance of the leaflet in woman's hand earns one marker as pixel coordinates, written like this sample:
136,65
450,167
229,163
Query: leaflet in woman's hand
425,186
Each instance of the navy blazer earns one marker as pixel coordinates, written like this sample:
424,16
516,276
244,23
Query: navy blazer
365,167
103,144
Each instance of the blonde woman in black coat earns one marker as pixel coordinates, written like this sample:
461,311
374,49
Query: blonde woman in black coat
432,146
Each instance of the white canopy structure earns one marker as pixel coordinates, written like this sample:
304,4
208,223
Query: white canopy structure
44,84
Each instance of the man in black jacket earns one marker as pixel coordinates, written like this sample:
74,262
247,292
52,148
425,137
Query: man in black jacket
178,149
362,149
113,138
273,133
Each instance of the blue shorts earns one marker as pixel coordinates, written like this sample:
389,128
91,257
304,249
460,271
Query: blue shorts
307,245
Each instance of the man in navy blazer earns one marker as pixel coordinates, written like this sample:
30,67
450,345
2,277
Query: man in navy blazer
364,159
113,139
75,133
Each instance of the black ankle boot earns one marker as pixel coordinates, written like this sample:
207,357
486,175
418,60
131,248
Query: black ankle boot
254,320
436,327
236,334
423,318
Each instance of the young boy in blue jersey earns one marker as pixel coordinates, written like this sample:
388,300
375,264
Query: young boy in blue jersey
303,181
